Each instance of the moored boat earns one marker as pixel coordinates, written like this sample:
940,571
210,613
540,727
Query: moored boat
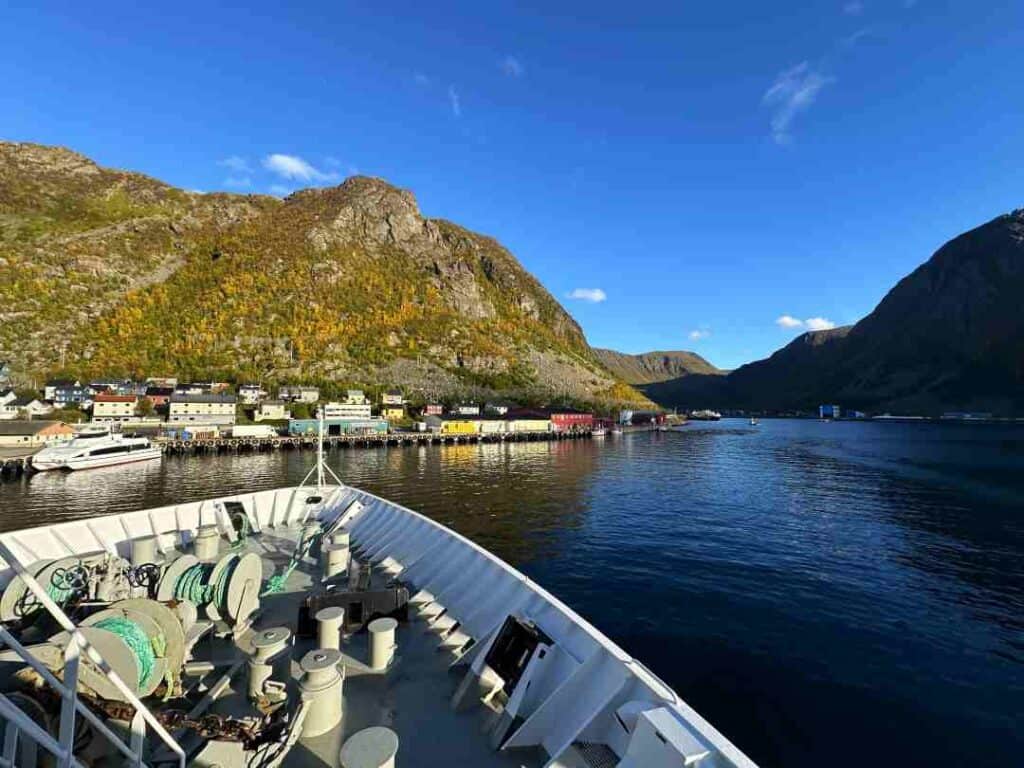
95,449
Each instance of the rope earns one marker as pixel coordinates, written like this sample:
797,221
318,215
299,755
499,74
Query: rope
244,533
194,585
276,582
144,649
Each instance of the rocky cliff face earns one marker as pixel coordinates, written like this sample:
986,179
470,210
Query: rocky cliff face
949,336
652,367
120,273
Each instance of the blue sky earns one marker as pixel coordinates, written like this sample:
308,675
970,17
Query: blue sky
703,169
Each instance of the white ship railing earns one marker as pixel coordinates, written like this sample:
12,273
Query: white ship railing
19,723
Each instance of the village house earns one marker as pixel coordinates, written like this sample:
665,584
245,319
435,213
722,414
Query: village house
272,410
250,394
354,406
527,420
162,381
114,408
466,409
298,394
201,409
499,407
24,408
158,396
5,371
433,409
7,395
392,412
571,420
392,397
73,396
33,434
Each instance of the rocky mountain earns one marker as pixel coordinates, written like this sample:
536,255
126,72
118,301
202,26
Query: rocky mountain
651,367
948,336
107,272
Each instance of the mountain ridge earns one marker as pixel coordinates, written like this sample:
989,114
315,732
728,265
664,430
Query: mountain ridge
117,272
655,366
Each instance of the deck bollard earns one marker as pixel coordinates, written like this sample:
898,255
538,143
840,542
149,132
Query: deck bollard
370,748
268,647
207,543
321,691
382,643
329,621
144,550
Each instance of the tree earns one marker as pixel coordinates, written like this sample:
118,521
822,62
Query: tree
145,407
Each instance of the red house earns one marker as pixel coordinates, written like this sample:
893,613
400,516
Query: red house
571,420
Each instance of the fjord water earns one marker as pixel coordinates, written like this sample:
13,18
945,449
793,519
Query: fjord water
824,593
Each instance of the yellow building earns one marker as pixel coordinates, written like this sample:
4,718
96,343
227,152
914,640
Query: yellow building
459,427
392,412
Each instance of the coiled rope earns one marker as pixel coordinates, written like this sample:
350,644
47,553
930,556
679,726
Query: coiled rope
143,648
194,585
276,582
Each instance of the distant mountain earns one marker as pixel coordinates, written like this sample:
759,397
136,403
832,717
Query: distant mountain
949,336
117,273
651,367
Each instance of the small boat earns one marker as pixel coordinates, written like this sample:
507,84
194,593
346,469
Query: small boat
754,422
598,432
91,449
705,415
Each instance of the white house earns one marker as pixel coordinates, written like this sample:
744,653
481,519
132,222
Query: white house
392,397
250,394
466,409
347,410
114,408
272,410
201,409
299,394
7,396
23,407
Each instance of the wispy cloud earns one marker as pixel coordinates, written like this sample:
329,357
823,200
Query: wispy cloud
793,92
593,295
512,67
453,99
238,182
810,324
238,165
853,8
420,79
698,334
295,168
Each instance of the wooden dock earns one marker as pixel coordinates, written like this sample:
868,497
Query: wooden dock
172,446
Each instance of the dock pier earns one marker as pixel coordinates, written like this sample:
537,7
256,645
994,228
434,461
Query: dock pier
177,447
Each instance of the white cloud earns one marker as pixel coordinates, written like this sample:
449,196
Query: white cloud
853,8
293,167
700,333
788,321
238,182
512,66
421,80
819,324
811,323
238,165
793,92
595,295
453,98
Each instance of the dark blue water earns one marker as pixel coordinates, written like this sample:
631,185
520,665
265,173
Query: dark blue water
824,593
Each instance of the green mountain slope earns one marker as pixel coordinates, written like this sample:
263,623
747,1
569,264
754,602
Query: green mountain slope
651,367
119,273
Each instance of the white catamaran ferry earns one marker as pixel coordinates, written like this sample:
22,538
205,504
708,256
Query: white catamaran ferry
312,625
95,449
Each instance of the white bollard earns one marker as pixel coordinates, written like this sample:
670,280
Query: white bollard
321,691
370,748
382,643
144,550
268,646
329,621
335,558
207,543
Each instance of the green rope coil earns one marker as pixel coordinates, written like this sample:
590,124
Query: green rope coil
276,582
194,585
60,588
135,637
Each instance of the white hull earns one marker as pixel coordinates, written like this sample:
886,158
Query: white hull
109,461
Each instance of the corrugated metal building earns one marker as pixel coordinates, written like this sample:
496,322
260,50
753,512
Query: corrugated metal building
334,427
